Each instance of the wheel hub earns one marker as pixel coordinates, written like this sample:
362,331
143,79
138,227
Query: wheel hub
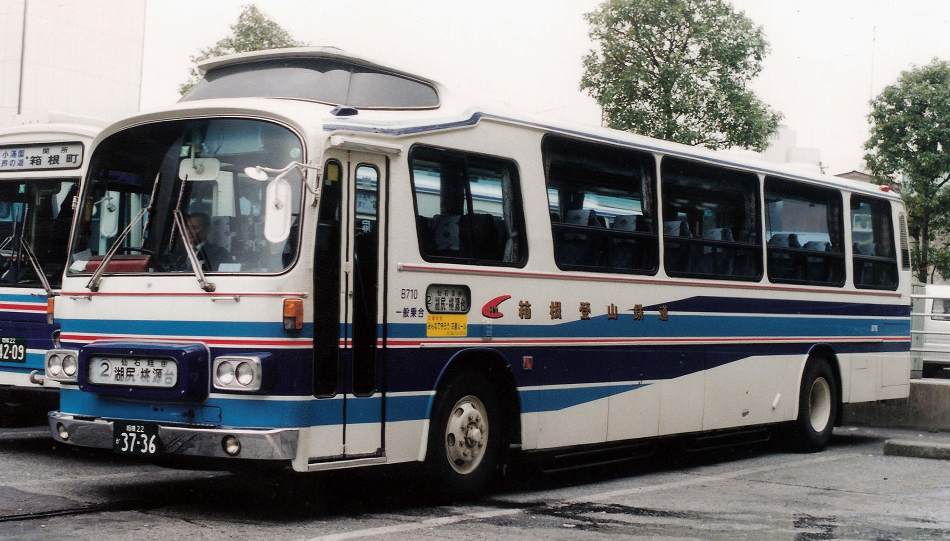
466,434
819,404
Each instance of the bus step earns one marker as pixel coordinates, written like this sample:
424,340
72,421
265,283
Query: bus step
599,456
721,440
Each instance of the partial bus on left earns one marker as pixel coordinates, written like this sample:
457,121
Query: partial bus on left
40,170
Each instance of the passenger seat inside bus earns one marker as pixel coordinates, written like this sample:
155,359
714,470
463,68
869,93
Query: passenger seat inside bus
576,247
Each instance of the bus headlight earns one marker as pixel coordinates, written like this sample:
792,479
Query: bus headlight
70,365
62,365
234,373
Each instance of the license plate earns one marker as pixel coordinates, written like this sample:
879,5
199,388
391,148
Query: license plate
133,438
12,350
162,373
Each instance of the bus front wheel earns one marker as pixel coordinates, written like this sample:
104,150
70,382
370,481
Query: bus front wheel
817,407
466,437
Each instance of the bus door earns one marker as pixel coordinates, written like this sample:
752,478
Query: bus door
347,329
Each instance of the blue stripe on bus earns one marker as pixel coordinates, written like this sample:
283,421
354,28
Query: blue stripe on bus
231,329
678,326
251,413
538,400
33,299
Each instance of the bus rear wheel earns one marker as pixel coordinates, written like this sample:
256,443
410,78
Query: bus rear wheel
817,407
466,437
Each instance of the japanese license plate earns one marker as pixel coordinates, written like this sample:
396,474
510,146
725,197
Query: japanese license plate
133,372
135,438
12,350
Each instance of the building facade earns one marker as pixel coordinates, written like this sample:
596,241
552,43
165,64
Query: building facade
66,56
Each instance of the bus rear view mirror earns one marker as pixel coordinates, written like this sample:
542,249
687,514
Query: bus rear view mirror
199,169
278,200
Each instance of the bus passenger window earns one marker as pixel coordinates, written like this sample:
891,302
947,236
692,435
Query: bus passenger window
710,222
872,238
602,206
468,208
805,232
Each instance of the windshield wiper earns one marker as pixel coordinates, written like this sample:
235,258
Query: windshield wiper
190,250
37,268
93,283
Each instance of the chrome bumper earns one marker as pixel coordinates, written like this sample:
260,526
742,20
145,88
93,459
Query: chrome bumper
275,444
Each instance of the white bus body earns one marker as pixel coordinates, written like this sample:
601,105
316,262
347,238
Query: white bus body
572,355
41,166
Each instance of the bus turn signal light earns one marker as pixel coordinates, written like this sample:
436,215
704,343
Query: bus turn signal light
293,314
50,303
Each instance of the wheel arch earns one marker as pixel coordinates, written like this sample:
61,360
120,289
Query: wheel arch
496,367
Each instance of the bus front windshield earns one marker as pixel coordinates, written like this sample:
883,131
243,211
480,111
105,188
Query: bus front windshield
140,191
35,215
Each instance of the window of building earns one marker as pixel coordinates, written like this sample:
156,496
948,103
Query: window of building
805,232
468,208
602,206
872,237
710,222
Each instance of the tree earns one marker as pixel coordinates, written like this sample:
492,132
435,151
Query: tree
253,31
679,70
910,144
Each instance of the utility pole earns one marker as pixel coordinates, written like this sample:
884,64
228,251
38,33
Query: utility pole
19,94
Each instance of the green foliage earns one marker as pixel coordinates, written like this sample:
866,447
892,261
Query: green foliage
253,31
910,144
679,70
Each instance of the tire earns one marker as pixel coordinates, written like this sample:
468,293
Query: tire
818,404
466,436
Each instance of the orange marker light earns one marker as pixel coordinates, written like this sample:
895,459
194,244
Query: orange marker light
50,304
293,314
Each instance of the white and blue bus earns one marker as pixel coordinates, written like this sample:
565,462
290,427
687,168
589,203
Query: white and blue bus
321,261
41,165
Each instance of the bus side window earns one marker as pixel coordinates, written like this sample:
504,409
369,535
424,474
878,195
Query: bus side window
872,238
711,221
602,206
468,208
804,232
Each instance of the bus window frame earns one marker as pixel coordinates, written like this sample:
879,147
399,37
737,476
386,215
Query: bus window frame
788,185
874,202
518,201
759,224
607,232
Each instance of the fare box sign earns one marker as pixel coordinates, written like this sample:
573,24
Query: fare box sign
38,157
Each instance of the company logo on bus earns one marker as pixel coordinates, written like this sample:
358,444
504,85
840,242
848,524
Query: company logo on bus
490,309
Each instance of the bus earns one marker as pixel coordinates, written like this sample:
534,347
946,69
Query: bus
41,165
325,262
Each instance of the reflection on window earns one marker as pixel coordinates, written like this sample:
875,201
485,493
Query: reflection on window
468,208
872,236
804,231
710,222
224,210
601,204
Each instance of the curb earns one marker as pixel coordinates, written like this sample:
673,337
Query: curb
917,449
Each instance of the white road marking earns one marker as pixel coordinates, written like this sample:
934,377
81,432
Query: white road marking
420,525
695,479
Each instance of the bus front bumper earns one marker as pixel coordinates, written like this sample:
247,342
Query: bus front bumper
273,444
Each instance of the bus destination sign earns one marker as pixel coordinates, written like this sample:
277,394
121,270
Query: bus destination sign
41,157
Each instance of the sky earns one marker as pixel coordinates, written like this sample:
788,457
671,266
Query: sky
827,57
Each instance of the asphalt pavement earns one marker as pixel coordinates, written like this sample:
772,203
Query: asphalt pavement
850,491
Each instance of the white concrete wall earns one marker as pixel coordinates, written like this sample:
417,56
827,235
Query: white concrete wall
80,57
